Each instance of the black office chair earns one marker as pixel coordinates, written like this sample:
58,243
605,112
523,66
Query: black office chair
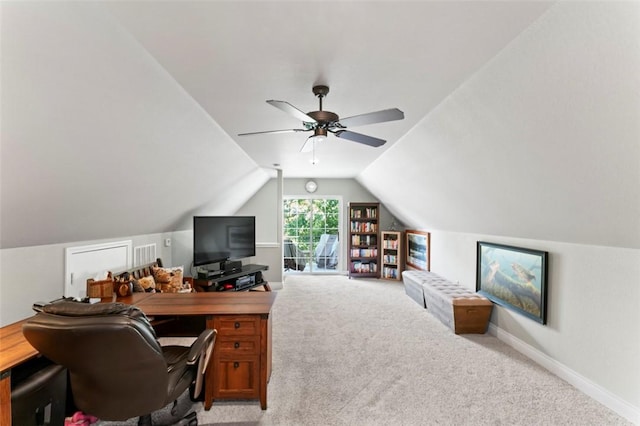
117,368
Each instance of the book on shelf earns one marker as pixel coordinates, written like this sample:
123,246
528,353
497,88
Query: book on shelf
364,227
390,244
388,272
356,252
364,267
364,213
363,240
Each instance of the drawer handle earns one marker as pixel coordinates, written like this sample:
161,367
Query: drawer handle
236,325
236,345
236,364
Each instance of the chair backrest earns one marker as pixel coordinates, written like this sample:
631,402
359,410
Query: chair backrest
116,366
326,251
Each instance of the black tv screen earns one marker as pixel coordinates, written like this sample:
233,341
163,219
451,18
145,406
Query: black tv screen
220,238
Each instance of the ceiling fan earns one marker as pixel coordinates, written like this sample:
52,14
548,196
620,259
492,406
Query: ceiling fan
324,122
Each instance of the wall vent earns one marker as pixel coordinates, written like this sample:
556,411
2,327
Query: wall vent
144,254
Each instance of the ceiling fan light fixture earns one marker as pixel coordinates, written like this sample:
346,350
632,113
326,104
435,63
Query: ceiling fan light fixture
316,139
319,135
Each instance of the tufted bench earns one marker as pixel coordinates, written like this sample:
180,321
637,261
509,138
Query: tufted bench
460,309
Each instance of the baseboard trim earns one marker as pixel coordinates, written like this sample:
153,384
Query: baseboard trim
583,384
277,285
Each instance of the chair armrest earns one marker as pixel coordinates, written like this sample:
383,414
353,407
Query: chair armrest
200,353
206,338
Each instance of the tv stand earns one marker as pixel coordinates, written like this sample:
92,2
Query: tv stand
248,277
210,273
231,266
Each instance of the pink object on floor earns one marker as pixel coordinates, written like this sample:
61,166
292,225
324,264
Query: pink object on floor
80,419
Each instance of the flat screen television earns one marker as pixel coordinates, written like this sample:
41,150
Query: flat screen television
221,238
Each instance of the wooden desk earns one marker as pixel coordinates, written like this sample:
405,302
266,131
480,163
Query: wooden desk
241,363
242,353
14,350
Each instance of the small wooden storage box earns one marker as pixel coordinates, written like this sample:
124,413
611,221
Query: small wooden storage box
102,288
471,315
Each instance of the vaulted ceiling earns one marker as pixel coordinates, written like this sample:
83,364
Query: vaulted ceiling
122,118
231,57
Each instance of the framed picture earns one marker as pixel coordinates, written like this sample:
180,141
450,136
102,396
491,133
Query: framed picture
513,277
418,249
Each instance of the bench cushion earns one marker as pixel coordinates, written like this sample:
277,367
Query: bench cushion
413,286
460,309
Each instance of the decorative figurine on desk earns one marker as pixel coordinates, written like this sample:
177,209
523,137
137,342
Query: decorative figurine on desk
123,285
145,284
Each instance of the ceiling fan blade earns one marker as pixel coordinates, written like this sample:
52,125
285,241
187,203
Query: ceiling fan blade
291,110
360,138
274,132
372,117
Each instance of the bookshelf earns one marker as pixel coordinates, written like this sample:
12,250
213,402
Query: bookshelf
391,255
364,254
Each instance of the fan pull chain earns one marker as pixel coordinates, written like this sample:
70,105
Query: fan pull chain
313,155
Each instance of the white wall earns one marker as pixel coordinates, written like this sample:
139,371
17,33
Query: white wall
541,149
593,320
97,138
30,274
543,143
264,205
348,190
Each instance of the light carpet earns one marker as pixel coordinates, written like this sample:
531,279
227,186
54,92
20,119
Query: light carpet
361,352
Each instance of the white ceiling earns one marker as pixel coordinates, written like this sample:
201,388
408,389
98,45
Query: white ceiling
231,57
139,104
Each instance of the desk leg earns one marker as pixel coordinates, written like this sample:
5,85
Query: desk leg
5,398
265,367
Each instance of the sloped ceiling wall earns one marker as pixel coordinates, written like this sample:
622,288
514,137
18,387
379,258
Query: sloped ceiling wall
149,155
543,143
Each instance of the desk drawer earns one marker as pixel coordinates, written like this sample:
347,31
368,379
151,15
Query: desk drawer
237,325
237,377
229,345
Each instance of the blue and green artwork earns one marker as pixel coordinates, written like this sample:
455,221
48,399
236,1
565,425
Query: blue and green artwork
513,277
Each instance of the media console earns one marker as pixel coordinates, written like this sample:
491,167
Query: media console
248,277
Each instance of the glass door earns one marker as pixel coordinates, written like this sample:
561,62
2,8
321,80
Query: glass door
311,237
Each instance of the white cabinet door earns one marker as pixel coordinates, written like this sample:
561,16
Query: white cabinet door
86,262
